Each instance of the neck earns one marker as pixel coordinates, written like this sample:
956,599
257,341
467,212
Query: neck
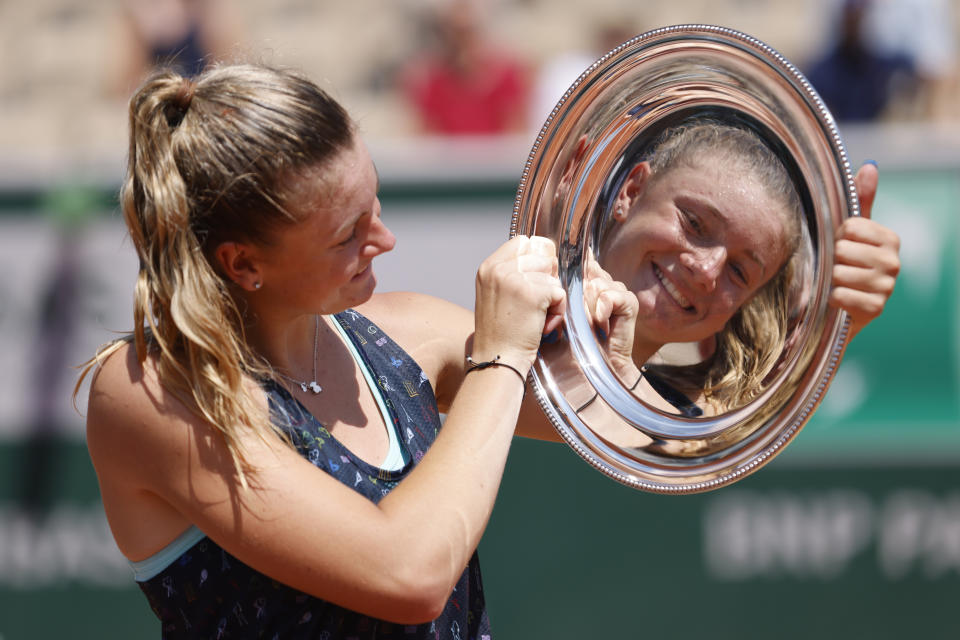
288,345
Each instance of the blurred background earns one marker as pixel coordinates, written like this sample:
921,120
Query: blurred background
854,531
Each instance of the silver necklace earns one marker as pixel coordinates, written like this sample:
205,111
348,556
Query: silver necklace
312,385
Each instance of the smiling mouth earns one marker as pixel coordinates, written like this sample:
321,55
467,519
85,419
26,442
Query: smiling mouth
672,290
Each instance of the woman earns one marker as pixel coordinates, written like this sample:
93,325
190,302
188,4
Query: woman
259,354
267,359
707,233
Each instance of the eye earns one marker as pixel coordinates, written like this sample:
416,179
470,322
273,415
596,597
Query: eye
692,221
353,235
739,273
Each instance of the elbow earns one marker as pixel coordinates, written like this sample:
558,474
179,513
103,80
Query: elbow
421,595
420,573
424,601
423,611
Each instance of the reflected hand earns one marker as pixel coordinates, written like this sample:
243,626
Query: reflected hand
867,259
613,313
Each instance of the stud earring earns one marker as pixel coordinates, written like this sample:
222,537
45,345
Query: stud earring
619,211
256,285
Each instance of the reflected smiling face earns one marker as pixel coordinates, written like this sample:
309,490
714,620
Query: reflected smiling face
694,244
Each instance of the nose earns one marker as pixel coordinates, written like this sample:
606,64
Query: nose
705,265
379,238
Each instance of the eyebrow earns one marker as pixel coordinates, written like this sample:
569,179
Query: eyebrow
353,221
756,258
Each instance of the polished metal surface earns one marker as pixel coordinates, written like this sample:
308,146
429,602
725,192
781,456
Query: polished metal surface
580,158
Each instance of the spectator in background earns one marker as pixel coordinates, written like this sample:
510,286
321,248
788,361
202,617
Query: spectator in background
925,32
184,35
855,79
465,84
559,72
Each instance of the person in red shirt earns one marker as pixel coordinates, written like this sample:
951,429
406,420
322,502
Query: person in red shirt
465,85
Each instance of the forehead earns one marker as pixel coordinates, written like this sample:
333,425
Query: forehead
749,217
347,175
732,187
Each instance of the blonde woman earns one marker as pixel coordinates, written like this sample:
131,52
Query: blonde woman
267,441
707,233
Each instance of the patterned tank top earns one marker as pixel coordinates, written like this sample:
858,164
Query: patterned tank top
207,593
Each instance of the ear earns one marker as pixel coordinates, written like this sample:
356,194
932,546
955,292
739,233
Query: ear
632,189
237,263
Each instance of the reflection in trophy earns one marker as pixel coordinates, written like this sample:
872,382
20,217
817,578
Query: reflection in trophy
696,169
707,230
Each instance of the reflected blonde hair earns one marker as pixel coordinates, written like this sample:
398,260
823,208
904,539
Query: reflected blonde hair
750,344
210,161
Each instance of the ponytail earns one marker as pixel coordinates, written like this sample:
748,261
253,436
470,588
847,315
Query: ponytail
207,162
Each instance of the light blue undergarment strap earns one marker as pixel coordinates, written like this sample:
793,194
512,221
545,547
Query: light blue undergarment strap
396,456
152,566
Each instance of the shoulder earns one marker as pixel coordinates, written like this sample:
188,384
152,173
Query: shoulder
137,429
140,438
120,391
414,319
436,333
123,384
127,402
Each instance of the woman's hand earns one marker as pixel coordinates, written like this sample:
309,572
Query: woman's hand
613,312
867,259
519,298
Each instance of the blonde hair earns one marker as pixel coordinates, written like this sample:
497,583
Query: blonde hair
211,161
750,344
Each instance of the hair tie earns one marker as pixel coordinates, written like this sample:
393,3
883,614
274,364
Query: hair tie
180,103
185,93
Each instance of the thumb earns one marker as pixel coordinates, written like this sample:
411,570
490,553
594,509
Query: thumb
866,182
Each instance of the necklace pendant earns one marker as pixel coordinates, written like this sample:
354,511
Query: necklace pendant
314,387
303,387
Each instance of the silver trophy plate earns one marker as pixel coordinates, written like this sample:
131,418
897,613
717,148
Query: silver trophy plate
610,120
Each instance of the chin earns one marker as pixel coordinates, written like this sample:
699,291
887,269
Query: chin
364,290
350,296
670,328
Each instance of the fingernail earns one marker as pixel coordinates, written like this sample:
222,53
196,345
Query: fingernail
551,337
601,334
873,162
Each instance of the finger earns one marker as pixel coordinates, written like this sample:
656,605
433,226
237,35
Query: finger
522,245
541,246
603,309
543,284
866,182
512,247
617,300
602,283
552,323
868,231
866,280
590,259
556,309
529,263
861,305
866,256
595,271
590,294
